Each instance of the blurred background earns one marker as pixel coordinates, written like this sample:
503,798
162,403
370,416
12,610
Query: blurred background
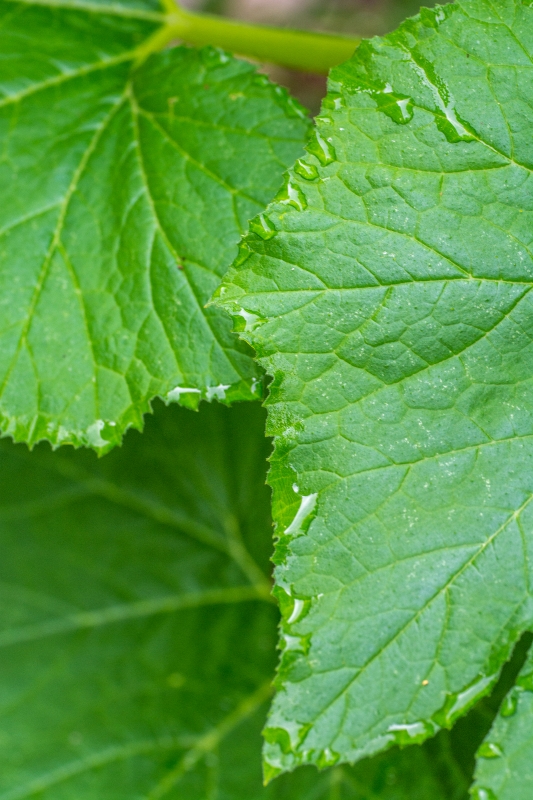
361,18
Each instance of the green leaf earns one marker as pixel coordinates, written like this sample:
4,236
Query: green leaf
137,630
126,585
126,184
505,759
392,306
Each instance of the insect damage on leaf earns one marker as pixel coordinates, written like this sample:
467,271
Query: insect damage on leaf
391,303
126,185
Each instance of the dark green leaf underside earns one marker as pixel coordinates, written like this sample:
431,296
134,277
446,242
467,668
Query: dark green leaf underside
126,585
137,633
125,190
389,294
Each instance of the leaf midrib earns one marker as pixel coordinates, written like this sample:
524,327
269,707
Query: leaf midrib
444,588
84,620
210,740
55,242
400,382
135,113
63,207
83,482
198,747
65,77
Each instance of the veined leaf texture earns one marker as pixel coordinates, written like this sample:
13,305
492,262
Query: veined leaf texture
137,629
385,291
390,302
126,184
505,759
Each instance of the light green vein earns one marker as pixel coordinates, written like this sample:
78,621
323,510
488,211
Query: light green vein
84,620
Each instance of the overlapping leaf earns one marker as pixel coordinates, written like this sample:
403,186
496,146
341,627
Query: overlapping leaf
126,184
505,759
388,293
137,632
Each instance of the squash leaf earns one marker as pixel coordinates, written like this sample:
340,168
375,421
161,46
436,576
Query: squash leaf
389,298
505,759
127,180
137,629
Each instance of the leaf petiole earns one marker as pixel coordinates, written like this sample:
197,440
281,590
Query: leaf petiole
302,50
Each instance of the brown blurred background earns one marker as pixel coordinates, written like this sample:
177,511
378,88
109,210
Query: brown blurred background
354,17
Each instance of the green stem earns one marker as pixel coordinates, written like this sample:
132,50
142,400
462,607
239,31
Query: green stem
309,52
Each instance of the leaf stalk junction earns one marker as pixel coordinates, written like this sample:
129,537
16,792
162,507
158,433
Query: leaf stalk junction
300,50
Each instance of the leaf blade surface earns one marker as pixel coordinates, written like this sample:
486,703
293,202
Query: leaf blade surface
505,757
136,629
392,307
126,189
